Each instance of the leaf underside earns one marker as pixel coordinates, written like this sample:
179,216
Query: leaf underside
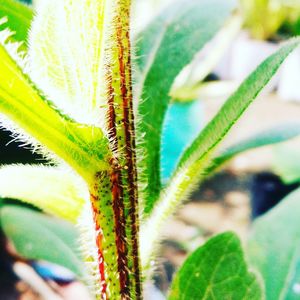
66,56
70,141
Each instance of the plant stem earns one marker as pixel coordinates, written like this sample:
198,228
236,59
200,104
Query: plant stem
114,194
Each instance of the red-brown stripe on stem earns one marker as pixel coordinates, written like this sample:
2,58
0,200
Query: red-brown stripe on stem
118,195
127,102
99,237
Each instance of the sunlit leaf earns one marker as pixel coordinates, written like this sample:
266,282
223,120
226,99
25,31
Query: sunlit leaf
22,103
19,17
51,189
66,56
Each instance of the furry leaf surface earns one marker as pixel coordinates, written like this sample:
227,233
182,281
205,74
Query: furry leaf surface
216,270
199,155
66,58
168,44
51,189
23,104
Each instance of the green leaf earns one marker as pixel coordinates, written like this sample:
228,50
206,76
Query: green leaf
22,103
189,84
51,189
234,107
199,155
66,56
270,136
19,18
168,44
286,162
274,248
40,237
216,270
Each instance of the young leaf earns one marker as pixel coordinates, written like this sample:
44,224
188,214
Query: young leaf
198,156
270,136
37,236
274,248
19,17
22,103
167,45
236,105
216,270
51,189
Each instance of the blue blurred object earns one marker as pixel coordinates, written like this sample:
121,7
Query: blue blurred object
49,271
183,123
267,190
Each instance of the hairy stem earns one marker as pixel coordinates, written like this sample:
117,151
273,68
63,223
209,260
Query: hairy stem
119,186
